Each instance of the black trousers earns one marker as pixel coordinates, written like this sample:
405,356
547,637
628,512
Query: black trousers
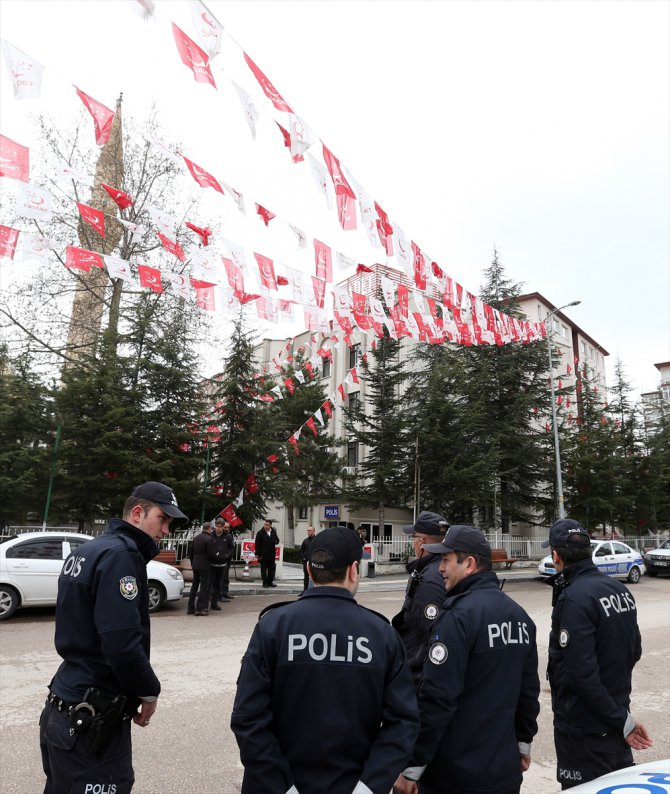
200,587
71,767
220,581
268,568
582,758
305,576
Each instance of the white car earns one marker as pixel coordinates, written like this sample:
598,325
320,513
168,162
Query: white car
658,560
651,778
612,557
30,565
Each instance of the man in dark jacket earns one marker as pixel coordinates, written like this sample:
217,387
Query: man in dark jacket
103,636
202,556
593,647
305,547
479,695
425,591
324,700
267,541
224,551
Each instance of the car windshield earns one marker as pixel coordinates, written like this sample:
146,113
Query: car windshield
665,545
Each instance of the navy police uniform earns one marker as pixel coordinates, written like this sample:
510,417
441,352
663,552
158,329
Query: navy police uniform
593,646
324,699
103,636
479,696
424,598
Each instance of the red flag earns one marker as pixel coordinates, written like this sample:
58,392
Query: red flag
282,281
345,323
120,198
385,230
319,286
235,277
93,217
150,277
202,177
419,267
289,384
81,259
267,272
172,246
344,195
354,375
266,215
312,426
268,89
437,270
343,395
403,299
246,297
102,117
192,56
203,233
297,158
309,368
325,353
328,409
323,256
230,516
273,459
8,240
363,269
251,484
14,159
204,298
569,368
294,442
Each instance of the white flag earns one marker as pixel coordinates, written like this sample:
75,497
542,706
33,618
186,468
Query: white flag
235,253
419,302
35,248
286,314
377,309
277,390
342,301
403,251
24,71
33,202
181,285
238,198
302,237
299,376
301,135
158,143
210,30
71,173
136,229
250,112
296,281
319,417
412,325
163,220
240,499
388,289
388,322
320,176
118,268
228,302
343,261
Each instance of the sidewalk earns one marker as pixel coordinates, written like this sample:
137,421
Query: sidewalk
291,581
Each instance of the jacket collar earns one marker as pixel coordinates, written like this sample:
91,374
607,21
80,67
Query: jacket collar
478,581
146,545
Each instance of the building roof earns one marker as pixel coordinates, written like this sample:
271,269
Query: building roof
571,323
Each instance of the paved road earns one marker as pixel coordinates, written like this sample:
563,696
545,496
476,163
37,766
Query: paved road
189,747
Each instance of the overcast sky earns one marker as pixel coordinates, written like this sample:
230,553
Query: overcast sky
540,128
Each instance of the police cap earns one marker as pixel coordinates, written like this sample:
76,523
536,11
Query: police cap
461,537
163,496
563,530
343,545
428,524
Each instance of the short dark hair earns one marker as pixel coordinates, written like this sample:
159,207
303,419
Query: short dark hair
483,563
574,551
325,575
132,501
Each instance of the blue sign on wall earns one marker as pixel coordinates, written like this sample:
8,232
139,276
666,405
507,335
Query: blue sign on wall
331,511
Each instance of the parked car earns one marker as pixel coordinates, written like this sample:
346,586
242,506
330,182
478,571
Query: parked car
612,557
31,563
658,560
651,778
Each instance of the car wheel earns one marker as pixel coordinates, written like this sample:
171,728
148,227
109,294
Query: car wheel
652,573
634,575
156,596
9,601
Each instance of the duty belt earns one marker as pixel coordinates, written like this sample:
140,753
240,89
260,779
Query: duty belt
67,708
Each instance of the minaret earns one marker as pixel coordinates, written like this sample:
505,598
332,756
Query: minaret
92,292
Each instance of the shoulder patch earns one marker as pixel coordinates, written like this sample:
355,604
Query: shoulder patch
438,653
564,638
431,611
128,587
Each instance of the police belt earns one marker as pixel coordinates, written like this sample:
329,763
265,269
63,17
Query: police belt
66,708
95,714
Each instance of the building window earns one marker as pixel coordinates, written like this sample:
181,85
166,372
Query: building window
354,401
352,454
564,331
302,514
354,355
326,368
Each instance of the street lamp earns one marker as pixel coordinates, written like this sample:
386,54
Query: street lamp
557,448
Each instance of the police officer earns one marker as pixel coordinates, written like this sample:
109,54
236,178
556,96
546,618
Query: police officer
324,699
425,592
102,634
593,646
479,695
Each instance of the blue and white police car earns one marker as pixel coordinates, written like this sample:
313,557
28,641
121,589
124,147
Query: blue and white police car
651,778
612,557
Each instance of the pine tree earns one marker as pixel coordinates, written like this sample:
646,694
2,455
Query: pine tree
382,427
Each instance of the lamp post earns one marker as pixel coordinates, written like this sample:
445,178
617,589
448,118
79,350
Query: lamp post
557,448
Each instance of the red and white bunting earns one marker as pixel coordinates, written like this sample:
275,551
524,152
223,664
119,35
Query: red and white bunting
192,56
14,159
94,218
102,117
25,72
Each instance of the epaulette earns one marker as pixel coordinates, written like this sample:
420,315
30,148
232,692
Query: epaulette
378,614
264,611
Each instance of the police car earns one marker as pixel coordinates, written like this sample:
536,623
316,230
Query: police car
612,557
658,560
30,565
651,778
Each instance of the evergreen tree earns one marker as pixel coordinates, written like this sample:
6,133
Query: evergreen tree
310,476
382,427
26,440
246,432
657,469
